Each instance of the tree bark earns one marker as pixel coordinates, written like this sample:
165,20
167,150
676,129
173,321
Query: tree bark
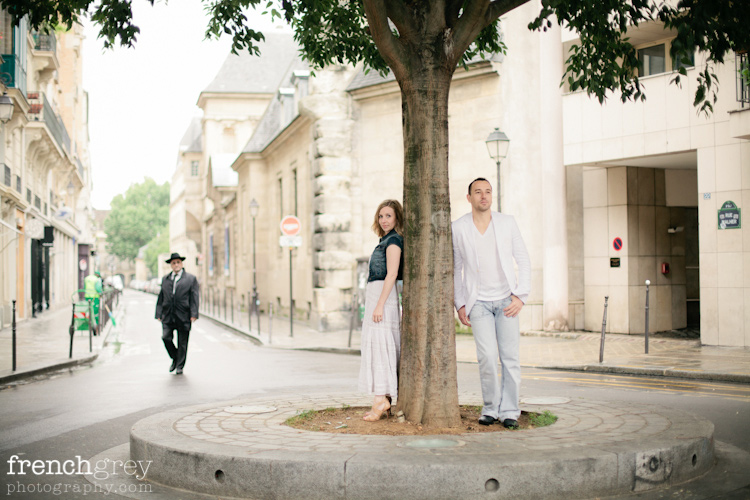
423,56
428,389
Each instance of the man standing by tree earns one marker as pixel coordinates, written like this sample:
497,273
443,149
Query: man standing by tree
485,243
177,308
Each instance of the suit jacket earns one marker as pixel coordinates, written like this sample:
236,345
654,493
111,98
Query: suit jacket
510,247
180,306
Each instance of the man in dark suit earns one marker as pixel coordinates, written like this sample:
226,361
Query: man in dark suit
177,308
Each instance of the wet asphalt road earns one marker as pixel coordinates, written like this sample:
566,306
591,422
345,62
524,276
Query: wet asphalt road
85,411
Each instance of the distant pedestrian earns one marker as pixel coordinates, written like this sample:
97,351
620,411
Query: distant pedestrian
488,297
92,291
381,327
177,308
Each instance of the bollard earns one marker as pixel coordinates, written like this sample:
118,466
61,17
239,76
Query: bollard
13,327
72,328
647,284
604,326
270,321
225,304
91,318
250,313
291,319
231,302
351,320
256,302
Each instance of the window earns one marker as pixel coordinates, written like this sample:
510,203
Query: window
651,60
37,202
226,250
194,168
211,254
18,184
294,176
7,177
676,65
28,196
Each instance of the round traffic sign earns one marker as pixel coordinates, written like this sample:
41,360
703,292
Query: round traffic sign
617,244
290,225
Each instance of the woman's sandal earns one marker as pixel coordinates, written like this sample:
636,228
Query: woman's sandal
390,401
377,413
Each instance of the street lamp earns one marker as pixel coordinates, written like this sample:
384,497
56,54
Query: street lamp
497,145
6,108
254,206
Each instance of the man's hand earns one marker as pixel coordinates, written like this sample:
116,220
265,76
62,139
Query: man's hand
159,319
193,319
462,317
514,308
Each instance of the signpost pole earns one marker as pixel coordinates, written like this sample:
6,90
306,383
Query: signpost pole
291,300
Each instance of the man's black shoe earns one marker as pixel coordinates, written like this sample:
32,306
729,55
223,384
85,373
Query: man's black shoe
487,420
179,371
174,365
509,423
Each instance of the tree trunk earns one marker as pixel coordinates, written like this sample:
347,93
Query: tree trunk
428,389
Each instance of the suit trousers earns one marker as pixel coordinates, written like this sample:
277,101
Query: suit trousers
178,353
495,334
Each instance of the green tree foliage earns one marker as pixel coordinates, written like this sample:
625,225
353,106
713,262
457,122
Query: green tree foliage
158,245
136,218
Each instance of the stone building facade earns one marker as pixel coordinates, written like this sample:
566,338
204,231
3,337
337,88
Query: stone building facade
46,238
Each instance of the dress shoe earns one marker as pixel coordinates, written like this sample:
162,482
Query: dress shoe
487,420
174,365
179,371
509,423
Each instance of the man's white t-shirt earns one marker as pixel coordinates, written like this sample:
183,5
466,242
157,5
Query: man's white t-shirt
493,285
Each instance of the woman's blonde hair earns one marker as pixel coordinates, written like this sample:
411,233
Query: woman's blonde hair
396,206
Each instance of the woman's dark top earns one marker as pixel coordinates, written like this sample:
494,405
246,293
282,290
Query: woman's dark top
378,267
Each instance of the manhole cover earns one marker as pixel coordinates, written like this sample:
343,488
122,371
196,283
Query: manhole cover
432,443
545,401
243,409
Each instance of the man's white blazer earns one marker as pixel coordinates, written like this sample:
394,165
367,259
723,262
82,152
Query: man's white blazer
510,246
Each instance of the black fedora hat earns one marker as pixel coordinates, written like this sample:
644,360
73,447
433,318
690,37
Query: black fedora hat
173,257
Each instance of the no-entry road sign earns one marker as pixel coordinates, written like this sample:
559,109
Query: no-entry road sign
290,225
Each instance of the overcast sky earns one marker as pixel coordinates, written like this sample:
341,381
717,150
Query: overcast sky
142,99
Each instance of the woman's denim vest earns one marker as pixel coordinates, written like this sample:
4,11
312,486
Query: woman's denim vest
378,267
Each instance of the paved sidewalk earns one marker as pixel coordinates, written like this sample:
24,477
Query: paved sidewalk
42,345
577,351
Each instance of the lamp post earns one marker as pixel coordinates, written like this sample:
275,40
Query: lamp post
254,206
497,145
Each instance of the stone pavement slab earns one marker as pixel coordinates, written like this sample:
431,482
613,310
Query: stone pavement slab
240,448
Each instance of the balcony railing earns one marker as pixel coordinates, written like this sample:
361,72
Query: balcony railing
13,73
40,110
743,78
44,42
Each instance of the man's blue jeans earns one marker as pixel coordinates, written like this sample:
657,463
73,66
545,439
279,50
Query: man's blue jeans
494,334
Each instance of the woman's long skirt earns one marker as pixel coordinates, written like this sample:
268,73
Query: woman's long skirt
380,344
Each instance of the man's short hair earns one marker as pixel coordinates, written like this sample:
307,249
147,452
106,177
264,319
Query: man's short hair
476,180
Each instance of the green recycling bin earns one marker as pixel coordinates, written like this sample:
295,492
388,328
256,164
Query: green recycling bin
81,316
95,307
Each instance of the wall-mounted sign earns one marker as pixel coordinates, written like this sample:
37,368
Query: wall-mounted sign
617,244
614,262
729,216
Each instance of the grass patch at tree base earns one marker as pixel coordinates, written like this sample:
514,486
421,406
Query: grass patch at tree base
349,420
